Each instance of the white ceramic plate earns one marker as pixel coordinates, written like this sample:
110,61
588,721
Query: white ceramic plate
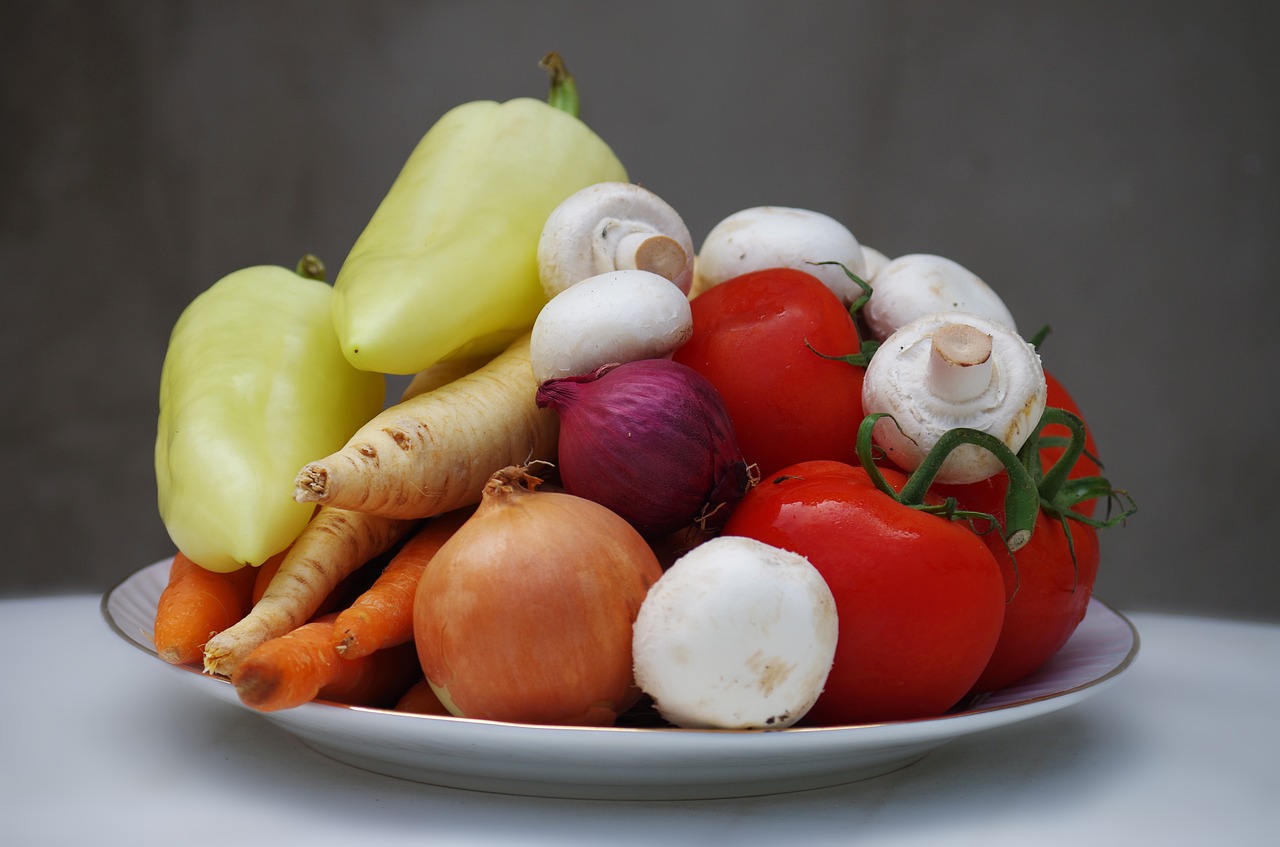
646,763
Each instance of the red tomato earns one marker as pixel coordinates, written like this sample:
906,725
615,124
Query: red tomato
787,403
1048,598
920,598
1047,589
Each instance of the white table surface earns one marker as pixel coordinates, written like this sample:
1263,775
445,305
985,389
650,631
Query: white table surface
101,744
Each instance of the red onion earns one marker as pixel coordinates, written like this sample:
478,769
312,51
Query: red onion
652,441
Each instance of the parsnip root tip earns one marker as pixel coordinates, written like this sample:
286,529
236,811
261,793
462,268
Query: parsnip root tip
221,655
311,485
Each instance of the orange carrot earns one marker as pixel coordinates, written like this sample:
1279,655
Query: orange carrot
333,546
301,666
421,699
384,677
195,605
435,452
383,615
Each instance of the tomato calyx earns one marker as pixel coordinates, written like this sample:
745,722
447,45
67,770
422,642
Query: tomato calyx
1058,492
1022,498
869,345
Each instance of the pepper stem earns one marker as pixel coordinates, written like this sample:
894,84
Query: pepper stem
311,267
564,88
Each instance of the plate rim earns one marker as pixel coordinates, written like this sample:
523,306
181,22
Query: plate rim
949,718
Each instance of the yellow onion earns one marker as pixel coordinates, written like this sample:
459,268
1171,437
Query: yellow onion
525,614
652,441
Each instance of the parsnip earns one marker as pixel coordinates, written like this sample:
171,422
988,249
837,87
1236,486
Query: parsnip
434,452
441,374
331,547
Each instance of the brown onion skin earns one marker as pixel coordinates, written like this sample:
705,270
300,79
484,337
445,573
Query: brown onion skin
525,614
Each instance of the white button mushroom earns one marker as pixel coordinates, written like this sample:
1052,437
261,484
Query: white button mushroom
874,260
950,370
613,226
619,316
737,634
766,237
918,284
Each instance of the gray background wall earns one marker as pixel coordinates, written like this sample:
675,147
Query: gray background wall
1111,168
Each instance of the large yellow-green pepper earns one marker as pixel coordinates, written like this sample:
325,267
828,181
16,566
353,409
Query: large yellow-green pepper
447,266
254,386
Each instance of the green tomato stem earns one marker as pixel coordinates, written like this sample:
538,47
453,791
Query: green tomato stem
868,347
855,308
860,359
1058,492
1022,499
1053,479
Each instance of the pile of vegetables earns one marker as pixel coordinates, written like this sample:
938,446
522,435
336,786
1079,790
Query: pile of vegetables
783,481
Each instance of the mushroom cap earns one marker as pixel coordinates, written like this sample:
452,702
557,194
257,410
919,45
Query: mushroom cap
764,237
918,284
582,236
619,316
1007,404
874,261
737,634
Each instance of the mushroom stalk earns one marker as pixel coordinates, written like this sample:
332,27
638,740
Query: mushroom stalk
644,251
959,362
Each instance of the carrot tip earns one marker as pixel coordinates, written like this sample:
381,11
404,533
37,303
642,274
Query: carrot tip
257,687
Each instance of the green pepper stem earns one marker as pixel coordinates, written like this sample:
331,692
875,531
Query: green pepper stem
311,267
564,88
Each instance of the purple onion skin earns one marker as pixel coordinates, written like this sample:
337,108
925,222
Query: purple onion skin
652,441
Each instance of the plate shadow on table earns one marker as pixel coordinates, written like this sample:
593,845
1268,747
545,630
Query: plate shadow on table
1029,768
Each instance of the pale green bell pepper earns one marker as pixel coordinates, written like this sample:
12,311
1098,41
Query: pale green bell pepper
447,266
254,385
